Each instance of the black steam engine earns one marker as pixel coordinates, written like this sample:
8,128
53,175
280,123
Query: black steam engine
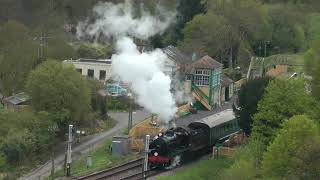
171,148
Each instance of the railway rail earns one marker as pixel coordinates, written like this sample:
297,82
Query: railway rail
132,170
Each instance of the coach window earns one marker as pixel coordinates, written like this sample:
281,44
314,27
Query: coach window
102,75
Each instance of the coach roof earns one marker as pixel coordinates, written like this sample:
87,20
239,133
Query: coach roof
218,118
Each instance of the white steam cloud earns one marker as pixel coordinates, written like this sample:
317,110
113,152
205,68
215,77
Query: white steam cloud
116,20
144,71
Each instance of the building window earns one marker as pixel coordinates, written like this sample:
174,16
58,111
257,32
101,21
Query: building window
202,77
188,78
90,73
79,70
102,75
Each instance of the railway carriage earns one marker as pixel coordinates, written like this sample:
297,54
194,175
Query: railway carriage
172,147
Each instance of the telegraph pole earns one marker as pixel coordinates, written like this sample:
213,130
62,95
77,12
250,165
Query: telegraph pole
69,160
265,48
130,112
42,41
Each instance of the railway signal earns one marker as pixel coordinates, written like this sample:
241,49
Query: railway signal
69,160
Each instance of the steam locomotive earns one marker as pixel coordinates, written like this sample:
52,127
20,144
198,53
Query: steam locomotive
173,147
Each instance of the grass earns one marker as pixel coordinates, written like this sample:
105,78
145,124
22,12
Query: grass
101,159
206,169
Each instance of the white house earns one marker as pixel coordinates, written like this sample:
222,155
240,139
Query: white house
93,68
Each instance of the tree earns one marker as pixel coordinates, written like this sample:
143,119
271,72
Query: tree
24,137
249,96
295,151
287,27
60,91
282,99
207,34
17,57
95,51
312,65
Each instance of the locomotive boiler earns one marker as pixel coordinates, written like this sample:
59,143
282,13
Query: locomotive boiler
172,147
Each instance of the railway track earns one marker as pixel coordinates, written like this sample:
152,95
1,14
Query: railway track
131,170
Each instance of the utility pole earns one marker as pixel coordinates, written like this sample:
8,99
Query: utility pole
146,152
69,160
42,41
130,112
265,47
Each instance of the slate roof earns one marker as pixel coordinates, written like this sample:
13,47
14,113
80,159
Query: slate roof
176,55
225,80
206,62
218,118
17,98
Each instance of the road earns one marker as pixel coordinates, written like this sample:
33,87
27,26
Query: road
87,144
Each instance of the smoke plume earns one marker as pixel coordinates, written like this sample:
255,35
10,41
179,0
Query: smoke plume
117,20
144,71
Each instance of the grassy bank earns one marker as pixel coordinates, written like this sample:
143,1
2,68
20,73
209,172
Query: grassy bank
101,159
207,169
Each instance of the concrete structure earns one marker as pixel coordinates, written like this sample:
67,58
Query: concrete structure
99,69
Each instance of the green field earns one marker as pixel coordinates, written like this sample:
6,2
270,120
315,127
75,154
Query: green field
206,169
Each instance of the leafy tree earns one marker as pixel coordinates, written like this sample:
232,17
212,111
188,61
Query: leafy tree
247,17
94,51
19,145
312,63
60,91
249,96
313,33
58,48
30,124
17,56
282,99
287,27
295,151
207,34
2,161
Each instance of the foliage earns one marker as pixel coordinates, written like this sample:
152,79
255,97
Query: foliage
120,103
313,33
245,162
207,34
249,96
312,66
287,27
24,137
220,31
295,151
59,90
94,51
17,57
283,98
98,101
2,162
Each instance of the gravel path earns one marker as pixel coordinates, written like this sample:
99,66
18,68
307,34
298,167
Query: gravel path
87,144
